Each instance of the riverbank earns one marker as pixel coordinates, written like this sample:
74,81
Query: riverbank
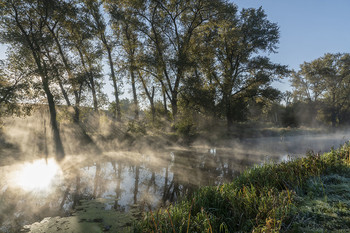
305,195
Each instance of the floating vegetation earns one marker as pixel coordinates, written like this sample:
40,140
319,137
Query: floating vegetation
91,216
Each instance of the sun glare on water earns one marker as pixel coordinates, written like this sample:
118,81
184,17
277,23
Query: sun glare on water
37,175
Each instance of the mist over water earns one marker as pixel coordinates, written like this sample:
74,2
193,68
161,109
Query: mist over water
33,187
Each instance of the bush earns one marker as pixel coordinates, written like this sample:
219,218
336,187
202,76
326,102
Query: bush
136,127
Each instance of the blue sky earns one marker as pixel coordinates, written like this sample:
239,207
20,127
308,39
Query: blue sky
308,29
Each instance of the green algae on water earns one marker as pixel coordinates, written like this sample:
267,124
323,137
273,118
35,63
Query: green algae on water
90,216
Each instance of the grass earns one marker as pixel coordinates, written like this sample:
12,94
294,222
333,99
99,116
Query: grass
308,193
324,204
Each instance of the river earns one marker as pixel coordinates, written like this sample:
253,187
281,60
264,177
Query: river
125,180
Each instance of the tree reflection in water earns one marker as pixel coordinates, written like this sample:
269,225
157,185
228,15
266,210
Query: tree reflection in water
154,179
118,177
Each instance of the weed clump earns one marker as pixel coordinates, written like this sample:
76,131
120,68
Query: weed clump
265,198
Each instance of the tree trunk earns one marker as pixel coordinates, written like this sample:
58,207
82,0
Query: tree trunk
94,100
70,77
229,120
164,101
93,91
60,83
149,96
76,116
333,112
136,104
56,134
117,112
153,110
229,117
334,117
174,106
65,95
37,53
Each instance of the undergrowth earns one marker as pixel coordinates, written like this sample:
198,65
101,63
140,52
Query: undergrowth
263,199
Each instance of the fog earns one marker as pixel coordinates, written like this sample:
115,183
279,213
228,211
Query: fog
33,186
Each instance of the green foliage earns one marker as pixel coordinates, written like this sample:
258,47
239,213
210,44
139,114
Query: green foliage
301,113
198,95
289,117
230,60
136,127
202,54
161,117
185,123
13,87
223,209
185,127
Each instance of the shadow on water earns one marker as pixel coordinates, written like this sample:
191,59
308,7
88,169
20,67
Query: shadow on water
88,192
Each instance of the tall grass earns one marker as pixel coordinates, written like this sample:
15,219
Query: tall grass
259,200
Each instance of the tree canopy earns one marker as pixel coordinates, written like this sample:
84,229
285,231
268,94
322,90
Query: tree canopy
325,82
198,57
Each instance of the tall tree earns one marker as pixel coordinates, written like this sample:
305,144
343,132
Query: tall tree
235,42
100,26
308,83
167,28
130,44
326,80
24,27
60,25
89,58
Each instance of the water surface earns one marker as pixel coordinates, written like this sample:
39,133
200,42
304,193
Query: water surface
124,180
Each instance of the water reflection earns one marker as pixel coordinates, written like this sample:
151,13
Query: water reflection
126,180
37,175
